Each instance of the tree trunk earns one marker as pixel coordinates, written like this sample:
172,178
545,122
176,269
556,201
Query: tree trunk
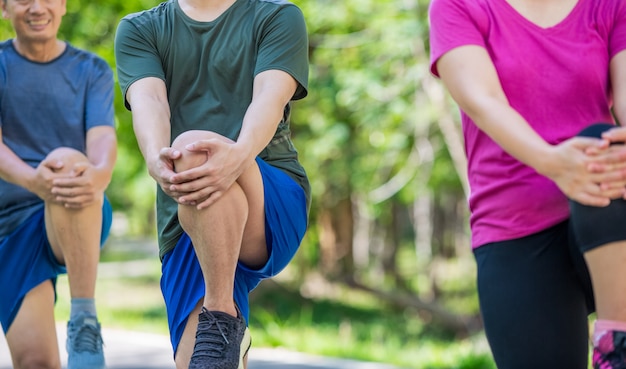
336,226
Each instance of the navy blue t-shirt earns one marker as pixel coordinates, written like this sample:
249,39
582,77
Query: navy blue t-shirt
44,106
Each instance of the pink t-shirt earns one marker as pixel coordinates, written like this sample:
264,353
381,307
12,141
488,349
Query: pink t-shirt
557,78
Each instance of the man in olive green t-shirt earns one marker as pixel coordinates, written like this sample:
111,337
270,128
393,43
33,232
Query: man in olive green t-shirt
210,84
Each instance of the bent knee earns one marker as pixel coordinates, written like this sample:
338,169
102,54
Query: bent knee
194,135
35,360
68,156
192,159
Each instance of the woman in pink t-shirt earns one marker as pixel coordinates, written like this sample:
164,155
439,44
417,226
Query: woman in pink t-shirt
530,78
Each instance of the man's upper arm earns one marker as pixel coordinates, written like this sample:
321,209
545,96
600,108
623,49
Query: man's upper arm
145,90
285,48
99,103
101,132
280,84
136,55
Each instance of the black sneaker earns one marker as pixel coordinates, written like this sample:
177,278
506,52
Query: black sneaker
221,341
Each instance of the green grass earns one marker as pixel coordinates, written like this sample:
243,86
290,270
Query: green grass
358,327
350,325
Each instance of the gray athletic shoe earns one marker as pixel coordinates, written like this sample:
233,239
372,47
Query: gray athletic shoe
221,341
84,343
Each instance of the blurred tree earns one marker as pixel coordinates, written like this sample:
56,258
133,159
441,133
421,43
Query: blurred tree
378,138
384,154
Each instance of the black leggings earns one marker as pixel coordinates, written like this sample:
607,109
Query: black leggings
535,295
535,292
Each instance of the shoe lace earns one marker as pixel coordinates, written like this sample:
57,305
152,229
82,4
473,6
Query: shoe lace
87,339
210,337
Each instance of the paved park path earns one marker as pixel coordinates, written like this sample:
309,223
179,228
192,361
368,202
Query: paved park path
134,350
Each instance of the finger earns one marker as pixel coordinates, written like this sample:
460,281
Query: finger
614,193
197,196
592,200
590,194
210,200
193,174
594,150
617,155
191,186
70,194
612,175
77,201
69,182
617,134
76,204
53,164
79,169
208,144
169,154
607,165
589,143
606,186
68,191
173,194
202,145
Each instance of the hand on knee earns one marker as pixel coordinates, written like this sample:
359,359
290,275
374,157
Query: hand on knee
67,179
63,159
192,159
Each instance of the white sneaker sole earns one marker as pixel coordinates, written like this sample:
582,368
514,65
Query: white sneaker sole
246,342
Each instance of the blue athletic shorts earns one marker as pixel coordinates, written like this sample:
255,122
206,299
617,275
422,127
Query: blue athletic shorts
286,220
28,260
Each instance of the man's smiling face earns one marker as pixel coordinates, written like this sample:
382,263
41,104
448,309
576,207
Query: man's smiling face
35,21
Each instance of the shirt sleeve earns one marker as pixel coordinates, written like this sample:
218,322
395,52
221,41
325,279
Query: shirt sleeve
136,54
454,23
284,45
99,102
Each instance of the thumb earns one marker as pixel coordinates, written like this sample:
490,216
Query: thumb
169,153
204,145
53,164
79,169
589,143
617,134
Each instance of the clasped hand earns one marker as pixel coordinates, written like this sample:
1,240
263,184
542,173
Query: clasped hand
209,169
74,187
591,171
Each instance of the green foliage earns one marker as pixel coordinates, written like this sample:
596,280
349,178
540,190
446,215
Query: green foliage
359,127
359,123
356,128
354,327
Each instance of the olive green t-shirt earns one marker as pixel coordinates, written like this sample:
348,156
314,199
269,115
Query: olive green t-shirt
209,69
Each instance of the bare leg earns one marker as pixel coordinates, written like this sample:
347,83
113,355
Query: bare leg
607,266
74,235
229,231
32,337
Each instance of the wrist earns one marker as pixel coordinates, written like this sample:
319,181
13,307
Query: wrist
244,152
545,161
